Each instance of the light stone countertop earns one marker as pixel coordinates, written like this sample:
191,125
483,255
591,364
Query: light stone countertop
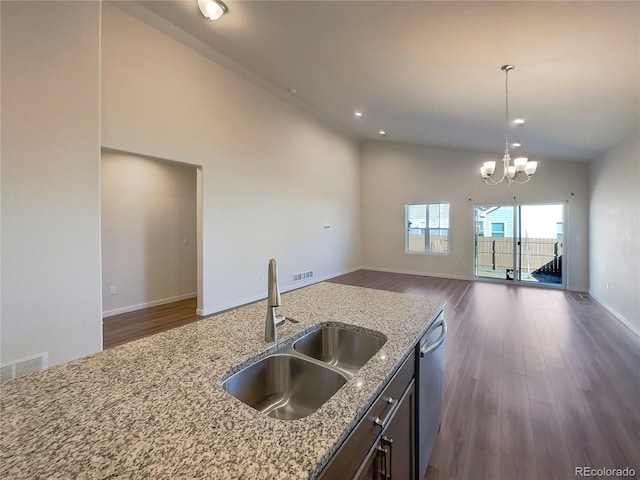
154,408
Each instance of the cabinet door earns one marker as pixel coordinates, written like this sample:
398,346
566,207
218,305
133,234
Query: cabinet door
392,457
373,468
398,437
359,453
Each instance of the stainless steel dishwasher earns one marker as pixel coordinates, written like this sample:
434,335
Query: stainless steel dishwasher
429,357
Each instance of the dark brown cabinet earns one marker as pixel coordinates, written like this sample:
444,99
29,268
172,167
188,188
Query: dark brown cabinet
381,447
393,440
393,455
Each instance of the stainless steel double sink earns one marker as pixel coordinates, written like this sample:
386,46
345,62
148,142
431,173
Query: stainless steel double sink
300,377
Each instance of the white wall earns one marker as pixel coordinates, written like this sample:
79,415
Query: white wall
393,175
615,230
148,232
50,180
272,176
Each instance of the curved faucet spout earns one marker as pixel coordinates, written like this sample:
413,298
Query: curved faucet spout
273,301
274,291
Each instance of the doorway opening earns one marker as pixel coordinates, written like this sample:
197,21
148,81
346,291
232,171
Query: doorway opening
151,218
520,243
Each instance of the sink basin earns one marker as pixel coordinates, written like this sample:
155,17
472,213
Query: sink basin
284,386
340,347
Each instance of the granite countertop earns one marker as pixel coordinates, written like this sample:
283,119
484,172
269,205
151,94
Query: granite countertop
154,408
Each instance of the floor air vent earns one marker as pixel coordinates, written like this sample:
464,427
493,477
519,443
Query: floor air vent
297,277
23,367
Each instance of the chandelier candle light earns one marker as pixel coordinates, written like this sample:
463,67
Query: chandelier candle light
522,169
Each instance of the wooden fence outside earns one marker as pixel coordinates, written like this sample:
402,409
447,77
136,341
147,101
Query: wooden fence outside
541,255
438,243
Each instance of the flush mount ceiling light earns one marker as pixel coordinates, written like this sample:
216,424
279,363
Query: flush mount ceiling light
522,169
212,9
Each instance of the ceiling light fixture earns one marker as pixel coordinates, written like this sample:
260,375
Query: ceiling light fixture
358,114
522,169
519,121
382,132
212,9
516,144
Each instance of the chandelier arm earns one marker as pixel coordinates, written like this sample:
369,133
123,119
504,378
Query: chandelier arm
491,181
522,181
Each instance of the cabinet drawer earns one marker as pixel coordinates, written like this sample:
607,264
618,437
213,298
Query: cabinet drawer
347,460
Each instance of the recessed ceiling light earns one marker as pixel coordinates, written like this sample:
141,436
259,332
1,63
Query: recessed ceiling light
358,113
293,91
518,121
212,9
382,132
516,144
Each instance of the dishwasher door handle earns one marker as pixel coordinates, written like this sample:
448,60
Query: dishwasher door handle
424,351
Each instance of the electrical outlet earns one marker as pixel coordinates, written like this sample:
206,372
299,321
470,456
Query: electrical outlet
112,290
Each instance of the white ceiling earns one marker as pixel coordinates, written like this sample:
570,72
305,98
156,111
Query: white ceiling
429,72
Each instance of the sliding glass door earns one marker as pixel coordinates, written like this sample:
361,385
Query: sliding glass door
521,243
495,241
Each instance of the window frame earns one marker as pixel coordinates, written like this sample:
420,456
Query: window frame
426,229
504,228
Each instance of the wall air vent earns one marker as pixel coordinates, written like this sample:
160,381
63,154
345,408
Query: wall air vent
298,277
23,367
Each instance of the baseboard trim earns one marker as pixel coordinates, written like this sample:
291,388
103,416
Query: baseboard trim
621,318
140,306
257,297
422,274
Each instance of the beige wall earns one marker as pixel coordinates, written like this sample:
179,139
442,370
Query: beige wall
615,214
148,232
50,180
394,175
268,169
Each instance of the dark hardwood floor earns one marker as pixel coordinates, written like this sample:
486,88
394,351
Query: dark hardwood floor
127,327
537,381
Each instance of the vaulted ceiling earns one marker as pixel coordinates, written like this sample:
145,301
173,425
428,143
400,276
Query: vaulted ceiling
429,73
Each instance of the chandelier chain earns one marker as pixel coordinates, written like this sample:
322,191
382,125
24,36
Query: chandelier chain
506,111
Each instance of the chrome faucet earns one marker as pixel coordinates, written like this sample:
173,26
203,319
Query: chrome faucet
273,301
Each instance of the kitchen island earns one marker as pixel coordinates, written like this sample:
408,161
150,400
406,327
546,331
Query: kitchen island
155,408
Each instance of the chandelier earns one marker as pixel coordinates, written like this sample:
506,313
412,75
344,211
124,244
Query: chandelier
522,169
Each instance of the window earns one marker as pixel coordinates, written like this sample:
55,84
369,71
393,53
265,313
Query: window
497,229
427,228
559,231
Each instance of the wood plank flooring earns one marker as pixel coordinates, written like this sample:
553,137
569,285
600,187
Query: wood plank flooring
127,327
537,381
